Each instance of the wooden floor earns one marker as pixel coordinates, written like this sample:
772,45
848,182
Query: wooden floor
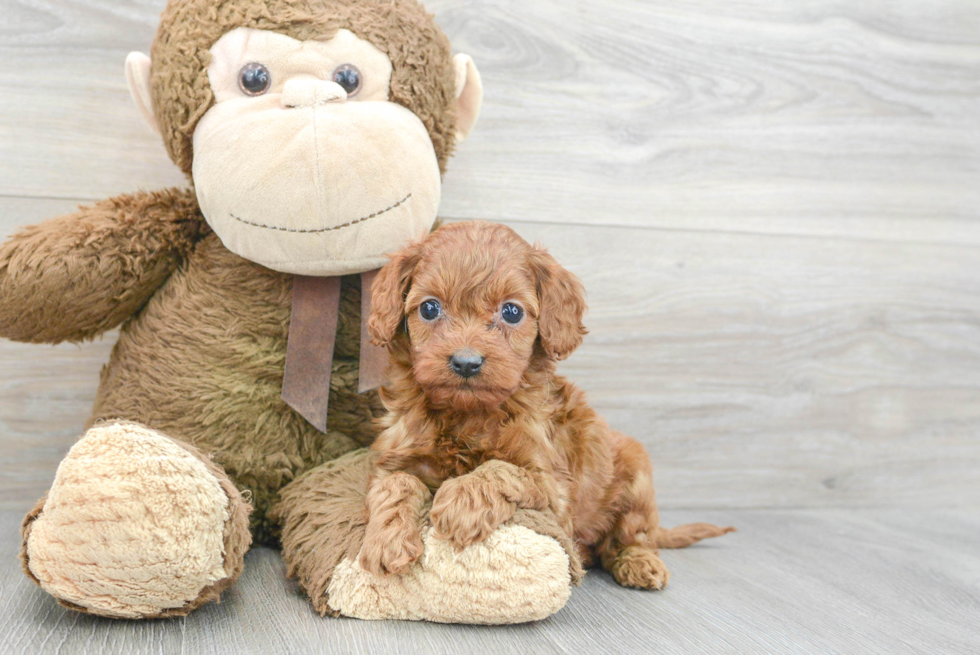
775,208
791,581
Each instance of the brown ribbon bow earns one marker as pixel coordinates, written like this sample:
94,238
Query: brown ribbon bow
310,346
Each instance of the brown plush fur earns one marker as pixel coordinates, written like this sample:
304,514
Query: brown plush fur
204,362
78,275
323,517
516,435
202,359
422,77
203,332
201,351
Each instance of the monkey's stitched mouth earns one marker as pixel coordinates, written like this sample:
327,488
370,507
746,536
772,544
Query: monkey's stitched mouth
325,229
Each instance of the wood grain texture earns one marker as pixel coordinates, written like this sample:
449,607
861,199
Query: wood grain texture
812,581
784,371
759,371
775,209
70,129
827,118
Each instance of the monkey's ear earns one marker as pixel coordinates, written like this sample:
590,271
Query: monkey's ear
561,305
138,81
388,295
469,95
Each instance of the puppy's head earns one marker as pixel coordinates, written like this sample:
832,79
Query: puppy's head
480,305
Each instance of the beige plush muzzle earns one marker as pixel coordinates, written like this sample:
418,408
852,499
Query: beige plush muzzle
304,178
327,189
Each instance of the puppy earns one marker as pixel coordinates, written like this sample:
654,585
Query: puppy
474,319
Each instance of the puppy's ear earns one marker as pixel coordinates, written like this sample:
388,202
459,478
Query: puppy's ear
561,305
388,295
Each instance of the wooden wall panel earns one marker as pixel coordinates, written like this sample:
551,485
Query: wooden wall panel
773,206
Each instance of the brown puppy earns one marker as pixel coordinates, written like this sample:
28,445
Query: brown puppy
475,319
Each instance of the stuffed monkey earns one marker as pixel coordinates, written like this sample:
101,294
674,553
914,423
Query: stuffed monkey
237,401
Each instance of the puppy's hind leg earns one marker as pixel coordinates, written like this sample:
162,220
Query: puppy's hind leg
629,550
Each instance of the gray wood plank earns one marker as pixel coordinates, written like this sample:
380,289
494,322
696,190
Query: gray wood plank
16,212
759,371
46,395
827,118
835,372
809,581
69,128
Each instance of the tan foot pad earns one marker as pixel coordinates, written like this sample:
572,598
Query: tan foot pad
132,527
515,576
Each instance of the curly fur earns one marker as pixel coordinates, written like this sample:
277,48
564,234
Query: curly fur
516,435
323,515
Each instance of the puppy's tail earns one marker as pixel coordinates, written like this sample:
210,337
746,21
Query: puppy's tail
684,535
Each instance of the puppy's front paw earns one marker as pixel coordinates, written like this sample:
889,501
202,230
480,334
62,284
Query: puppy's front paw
467,509
391,549
640,567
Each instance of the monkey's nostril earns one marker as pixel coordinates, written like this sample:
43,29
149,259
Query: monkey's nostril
310,93
466,363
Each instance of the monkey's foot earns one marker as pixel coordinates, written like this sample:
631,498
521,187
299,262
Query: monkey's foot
513,576
136,525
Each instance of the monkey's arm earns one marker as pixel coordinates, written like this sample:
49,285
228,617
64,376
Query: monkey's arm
76,276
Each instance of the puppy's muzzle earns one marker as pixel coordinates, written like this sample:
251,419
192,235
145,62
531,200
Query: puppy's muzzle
466,363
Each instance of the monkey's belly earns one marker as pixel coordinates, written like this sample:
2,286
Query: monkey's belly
203,362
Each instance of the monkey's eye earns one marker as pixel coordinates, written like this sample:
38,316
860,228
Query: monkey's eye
511,313
430,309
254,79
348,77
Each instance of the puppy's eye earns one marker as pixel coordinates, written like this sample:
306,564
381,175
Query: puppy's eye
511,313
430,309
348,77
254,79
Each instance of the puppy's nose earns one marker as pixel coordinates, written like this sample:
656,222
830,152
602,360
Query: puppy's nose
466,363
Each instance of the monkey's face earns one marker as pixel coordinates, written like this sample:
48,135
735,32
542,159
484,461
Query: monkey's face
302,164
